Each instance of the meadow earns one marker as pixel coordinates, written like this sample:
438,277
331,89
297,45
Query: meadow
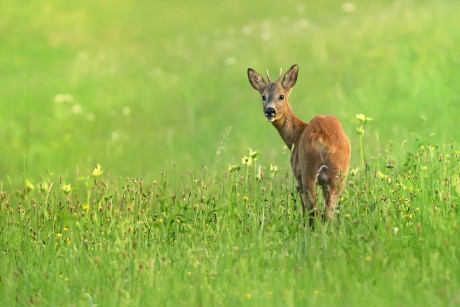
138,168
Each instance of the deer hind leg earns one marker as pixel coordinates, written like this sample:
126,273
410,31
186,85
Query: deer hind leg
331,197
331,192
308,197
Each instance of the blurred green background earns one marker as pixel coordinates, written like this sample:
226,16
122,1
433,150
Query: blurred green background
139,85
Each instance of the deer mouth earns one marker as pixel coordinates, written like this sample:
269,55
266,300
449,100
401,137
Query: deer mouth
270,119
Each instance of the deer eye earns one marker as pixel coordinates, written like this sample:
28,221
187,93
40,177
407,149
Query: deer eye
264,98
281,97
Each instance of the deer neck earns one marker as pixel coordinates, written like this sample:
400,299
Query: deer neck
290,127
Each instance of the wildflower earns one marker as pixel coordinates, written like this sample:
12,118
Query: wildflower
354,171
260,173
59,235
395,230
273,170
368,258
189,273
68,241
97,171
245,198
253,154
44,187
85,207
65,229
233,168
246,161
248,296
29,185
363,118
67,188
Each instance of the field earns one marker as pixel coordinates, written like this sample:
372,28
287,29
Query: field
138,168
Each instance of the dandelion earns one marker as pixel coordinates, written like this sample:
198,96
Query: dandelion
65,229
85,207
97,171
59,235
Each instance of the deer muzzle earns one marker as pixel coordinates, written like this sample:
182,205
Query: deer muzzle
270,114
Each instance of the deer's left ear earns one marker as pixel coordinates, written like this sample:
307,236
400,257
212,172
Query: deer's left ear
290,78
256,80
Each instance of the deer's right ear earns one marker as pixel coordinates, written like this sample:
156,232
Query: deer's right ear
256,80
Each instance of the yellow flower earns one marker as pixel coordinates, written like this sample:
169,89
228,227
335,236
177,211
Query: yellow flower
245,198
248,296
233,168
97,171
86,207
253,154
67,188
68,241
363,118
29,185
368,258
246,161
65,229
59,235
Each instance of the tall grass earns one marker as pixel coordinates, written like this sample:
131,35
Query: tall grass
181,212
235,237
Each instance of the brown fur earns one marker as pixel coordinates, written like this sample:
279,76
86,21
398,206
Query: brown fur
320,148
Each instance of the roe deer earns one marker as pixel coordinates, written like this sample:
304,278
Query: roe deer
320,148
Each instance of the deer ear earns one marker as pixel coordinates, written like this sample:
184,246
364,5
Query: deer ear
290,78
256,80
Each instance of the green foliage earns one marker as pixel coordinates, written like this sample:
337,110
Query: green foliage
235,237
157,94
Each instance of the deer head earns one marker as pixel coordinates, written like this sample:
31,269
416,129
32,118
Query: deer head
274,94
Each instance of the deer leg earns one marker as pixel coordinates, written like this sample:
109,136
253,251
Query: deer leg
308,197
331,192
330,198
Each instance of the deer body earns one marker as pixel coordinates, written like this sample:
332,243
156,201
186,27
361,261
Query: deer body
320,148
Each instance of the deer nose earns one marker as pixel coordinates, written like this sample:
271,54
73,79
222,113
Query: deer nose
270,112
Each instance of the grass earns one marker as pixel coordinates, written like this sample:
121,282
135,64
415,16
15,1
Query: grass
157,94
235,238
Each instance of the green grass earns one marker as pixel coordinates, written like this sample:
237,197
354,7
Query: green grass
157,94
